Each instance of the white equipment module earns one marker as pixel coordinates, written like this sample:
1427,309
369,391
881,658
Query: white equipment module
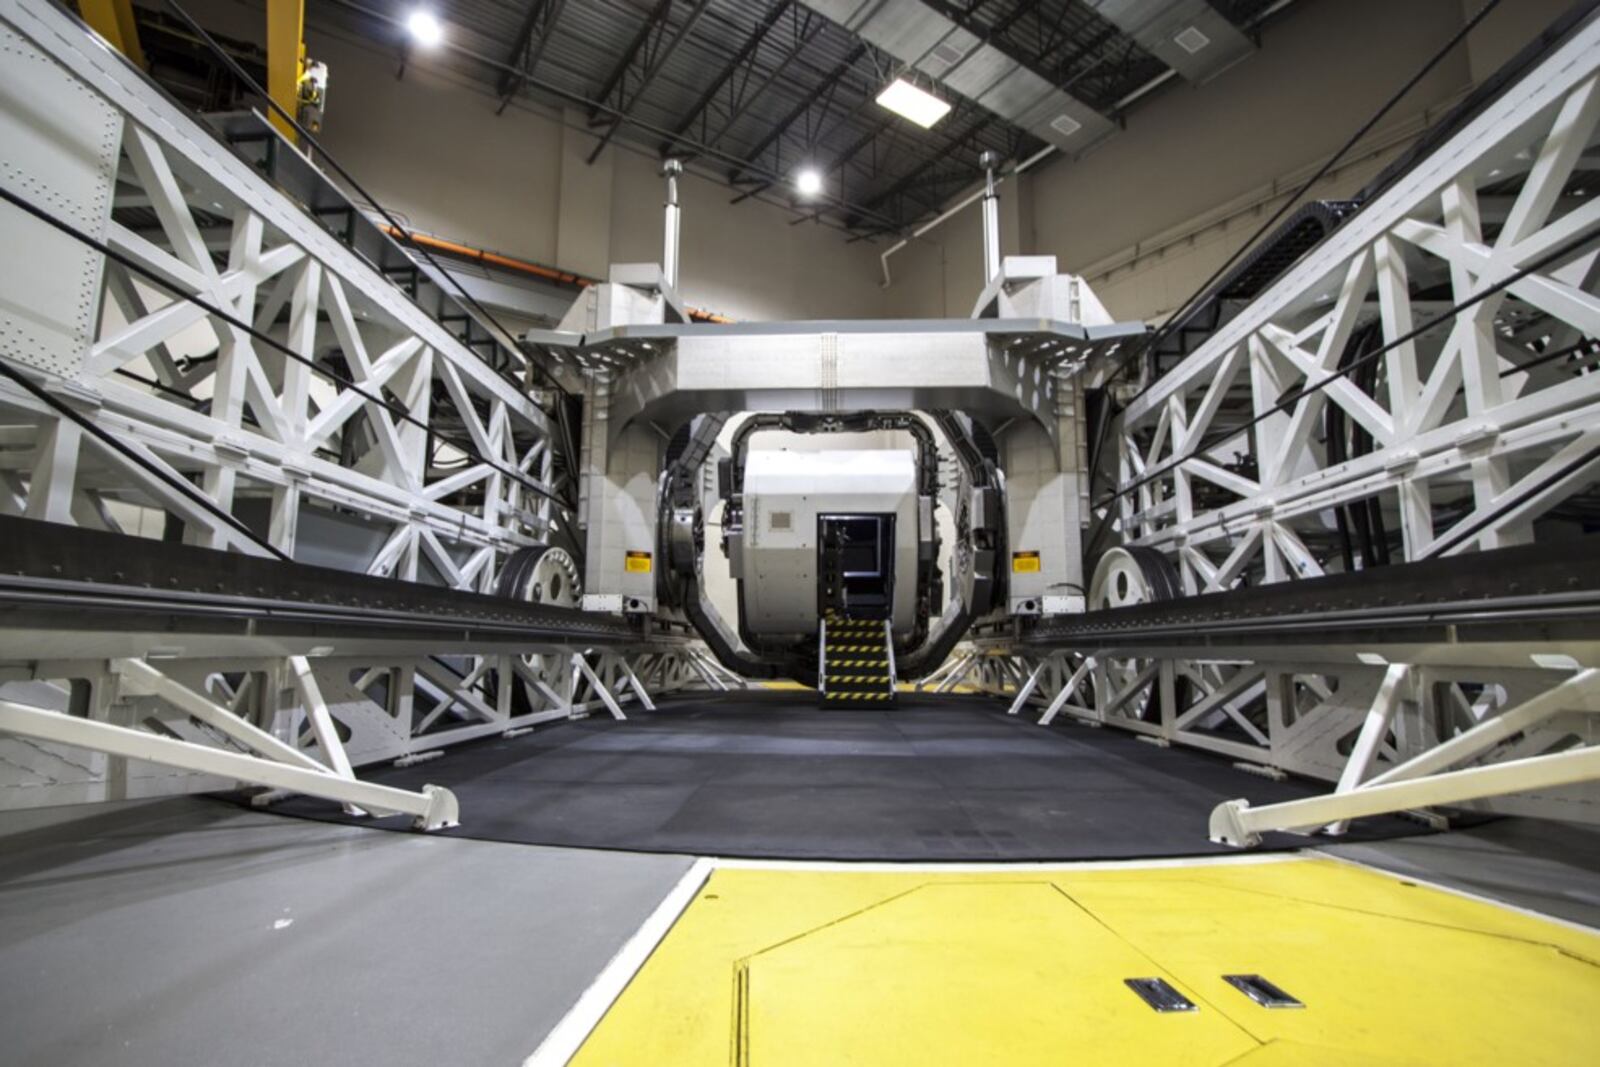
789,498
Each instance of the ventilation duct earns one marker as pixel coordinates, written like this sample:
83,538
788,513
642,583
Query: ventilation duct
929,42
1190,36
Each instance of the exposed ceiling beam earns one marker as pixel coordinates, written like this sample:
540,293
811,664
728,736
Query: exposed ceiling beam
1051,38
954,144
541,21
649,76
845,158
556,91
652,21
826,85
740,58
809,27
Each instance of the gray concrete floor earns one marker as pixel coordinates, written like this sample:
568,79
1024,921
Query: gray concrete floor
1549,867
187,931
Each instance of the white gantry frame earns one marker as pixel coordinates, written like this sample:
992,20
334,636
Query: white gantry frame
1434,363
1470,429
1356,718
205,405
1426,778
235,373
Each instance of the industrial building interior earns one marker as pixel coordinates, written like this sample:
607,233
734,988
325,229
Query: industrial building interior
800,532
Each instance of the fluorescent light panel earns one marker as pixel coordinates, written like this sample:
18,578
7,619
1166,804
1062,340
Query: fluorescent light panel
907,101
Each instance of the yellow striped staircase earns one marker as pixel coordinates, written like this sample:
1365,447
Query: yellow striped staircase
856,663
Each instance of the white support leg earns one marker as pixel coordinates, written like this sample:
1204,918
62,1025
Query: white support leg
582,666
938,674
637,686
692,657
1425,781
50,488
138,675
1030,685
316,709
1067,691
1380,717
432,809
959,675
730,678
1235,822
1581,692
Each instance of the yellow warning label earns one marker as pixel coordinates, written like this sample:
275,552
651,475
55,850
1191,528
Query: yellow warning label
1024,563
638,563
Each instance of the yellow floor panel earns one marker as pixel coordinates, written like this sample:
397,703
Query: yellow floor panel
785,685
770,968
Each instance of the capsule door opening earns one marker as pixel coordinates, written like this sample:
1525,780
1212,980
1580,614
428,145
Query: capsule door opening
855,568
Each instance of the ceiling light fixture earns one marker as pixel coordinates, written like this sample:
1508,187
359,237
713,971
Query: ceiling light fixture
424,27
918,105
808,181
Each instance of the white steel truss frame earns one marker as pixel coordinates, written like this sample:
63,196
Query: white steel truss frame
1364,720
366,435
327,715
1426,778
1472,282
1479,424
236,418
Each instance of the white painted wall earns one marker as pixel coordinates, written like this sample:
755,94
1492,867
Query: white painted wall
940,275
429,146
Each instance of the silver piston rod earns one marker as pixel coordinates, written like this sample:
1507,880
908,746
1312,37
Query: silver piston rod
991,218
669,236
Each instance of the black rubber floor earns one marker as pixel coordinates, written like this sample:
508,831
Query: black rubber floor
769,774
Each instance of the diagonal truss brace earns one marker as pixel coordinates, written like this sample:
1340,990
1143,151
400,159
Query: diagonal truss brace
1425,780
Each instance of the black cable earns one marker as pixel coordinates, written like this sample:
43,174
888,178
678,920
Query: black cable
239,72
1294,396
111,442
1374,506
159,387
1550,357
1294,198
266,339
1467,529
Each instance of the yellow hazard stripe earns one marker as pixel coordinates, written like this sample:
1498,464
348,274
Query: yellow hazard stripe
858,662
860,695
